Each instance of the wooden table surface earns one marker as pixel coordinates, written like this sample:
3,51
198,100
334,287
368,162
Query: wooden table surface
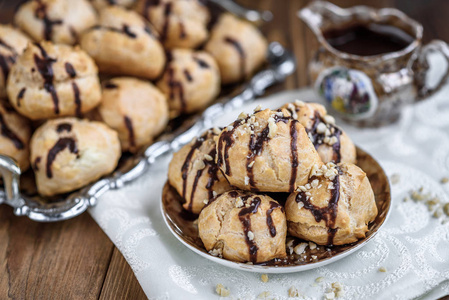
75,259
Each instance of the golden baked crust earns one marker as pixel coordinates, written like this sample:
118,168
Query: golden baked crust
12,44
181,23
124,44
15,135
331,142
237,46
136,109
59,21
68,153
267,151
190,82
52,81
242,226
194,174
100,4
334,208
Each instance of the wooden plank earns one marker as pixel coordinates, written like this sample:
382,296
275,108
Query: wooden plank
66,260
120,282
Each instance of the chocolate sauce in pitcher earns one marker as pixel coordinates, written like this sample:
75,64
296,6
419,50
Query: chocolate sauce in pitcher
368,39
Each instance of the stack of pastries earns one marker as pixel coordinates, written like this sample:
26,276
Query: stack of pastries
83,81
228,177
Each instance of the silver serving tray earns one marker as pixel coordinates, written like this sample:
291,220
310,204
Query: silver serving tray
280,63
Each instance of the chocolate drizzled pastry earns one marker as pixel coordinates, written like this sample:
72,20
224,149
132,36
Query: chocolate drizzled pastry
69,153
243,227
334,207
268,151
194,174
59,21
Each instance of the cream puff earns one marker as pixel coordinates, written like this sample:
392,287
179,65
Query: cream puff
135,108
68,153
51,80
243,227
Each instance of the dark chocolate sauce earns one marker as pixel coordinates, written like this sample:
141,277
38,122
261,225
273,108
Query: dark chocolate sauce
369,39
176,85
164,30
318,138
255,147
213,174
185,166
238,47
244,217
129,126
294,154
76,94
328,213
128,32
36,163
44,66
110,85
182,31
270,224
64,127
201,63
147,5
8,133
70,70
223,154
60,145
20,95
41,13
194,186
187,75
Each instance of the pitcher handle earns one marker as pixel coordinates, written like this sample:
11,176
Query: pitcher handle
424,91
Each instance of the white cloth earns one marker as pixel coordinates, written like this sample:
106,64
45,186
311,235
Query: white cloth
412,246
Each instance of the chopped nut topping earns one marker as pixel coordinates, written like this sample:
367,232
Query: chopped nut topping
299,249
315,183
251,164
216,130
444,180
217,252
264,277
208,157
395,178
326,140
263,295
314,257
222,291
246,180
242,116
446,209
329,296
382,269
299,103
250,235
214,194
330,186
300,205
319,279
199,164
437,213
205,201
312,245
239,202
308,186
258,108
329,119
293,292
193,141
321,128
272,127
333,140
301,188
229,128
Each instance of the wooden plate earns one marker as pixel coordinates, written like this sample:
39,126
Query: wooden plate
181,224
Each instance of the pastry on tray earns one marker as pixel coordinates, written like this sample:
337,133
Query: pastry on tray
194,174
181,23
12,44
15,135
270,154
50,80
124,43
68,153
59,21
135,108
191,81
237,46
243,226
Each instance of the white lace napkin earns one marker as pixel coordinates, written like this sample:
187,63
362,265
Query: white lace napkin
413,246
